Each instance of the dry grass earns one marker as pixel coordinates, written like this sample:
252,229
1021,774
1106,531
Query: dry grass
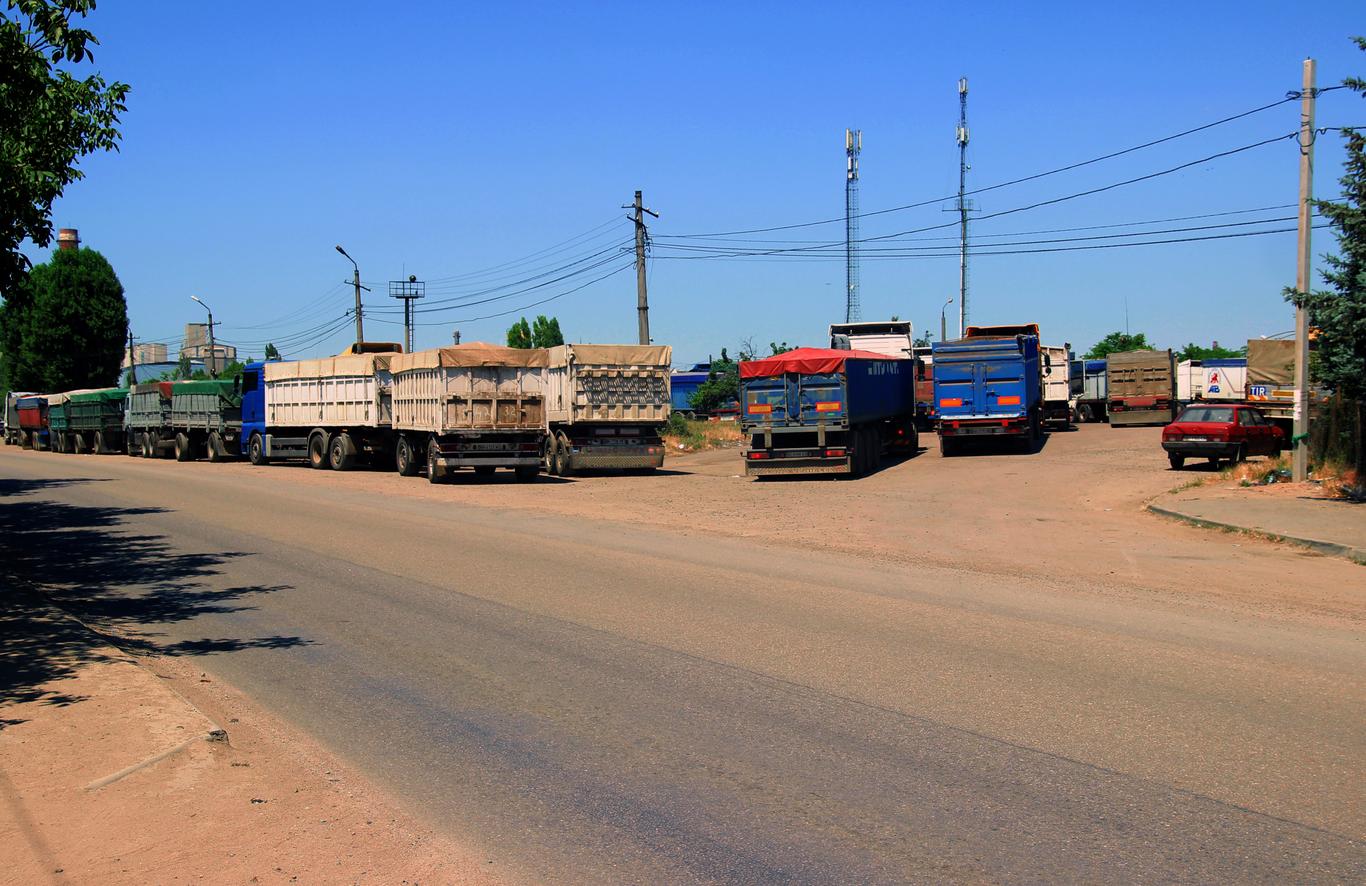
696,436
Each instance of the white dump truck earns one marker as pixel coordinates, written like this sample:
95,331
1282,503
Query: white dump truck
605,405
474,405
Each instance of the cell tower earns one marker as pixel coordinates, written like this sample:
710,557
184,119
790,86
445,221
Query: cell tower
963,207
853,143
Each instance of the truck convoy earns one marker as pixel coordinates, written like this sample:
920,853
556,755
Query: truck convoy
605,405
825,411
1142,388
988,385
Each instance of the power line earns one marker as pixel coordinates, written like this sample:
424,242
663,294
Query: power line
558,247
613,273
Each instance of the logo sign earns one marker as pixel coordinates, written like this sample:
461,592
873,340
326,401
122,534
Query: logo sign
1213,386
1258,392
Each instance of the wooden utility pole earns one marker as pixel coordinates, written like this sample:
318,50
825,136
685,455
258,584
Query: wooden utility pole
642,297
1300,440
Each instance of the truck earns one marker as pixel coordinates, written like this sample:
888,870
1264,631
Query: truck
475,405
95,421
1190,381
33,427
146,419
1270,382
59,436
893,338
988,385
1095,390
206,418
604,407
13,431
683,383
332,412
1142,388
1223,379
825,411
1060,388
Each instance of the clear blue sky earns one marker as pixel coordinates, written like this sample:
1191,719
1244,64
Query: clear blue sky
442,139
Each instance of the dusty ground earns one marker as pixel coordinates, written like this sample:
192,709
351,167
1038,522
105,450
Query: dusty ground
266,805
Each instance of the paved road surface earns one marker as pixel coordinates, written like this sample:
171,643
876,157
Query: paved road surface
600,702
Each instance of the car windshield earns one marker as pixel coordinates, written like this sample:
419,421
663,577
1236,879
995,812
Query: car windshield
1207,413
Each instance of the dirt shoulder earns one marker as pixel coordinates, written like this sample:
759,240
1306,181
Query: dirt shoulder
113,769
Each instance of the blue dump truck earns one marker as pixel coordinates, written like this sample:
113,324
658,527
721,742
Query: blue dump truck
819,411
988,385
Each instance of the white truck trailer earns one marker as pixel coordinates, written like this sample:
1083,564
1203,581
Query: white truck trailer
330,411
605,405
1060,388
474,405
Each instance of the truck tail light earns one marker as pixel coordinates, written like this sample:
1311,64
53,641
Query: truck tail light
836,453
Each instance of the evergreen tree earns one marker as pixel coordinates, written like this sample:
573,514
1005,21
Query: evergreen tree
519,334
272,352
546,333
1118,343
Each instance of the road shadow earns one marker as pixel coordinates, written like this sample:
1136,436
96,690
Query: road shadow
77,578
969,446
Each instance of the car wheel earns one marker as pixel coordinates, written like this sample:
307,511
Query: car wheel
1176,461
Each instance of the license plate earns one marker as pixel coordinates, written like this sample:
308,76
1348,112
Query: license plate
1198,439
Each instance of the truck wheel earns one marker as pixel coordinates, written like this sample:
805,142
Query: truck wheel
1176,461
562,447
182,447
405,460
552,466
78,443
317,450
526,473
341,455
100,447
214,450
256,451
434,469
1085,414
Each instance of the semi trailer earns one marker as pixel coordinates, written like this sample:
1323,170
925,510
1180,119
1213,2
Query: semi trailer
1094,394
605,405
33,427
95,421
146,417
12,428
1060,388
825,411
1142,388
988,385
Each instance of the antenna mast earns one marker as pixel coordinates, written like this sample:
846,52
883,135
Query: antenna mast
962,136
853,143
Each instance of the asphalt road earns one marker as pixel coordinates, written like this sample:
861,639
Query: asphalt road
594,701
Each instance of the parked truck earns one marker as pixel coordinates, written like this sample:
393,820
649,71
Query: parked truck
1094,395
605,405
206,418
1270,384
893,338
59,432
95,421
33,427
825,411
1060,388
474,405
146,417
13,431
331,412
988,385
1142,388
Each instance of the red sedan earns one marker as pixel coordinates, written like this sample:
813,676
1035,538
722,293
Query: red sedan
1220,432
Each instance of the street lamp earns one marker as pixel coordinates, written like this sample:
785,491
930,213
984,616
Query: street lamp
943,323
360,328
213,351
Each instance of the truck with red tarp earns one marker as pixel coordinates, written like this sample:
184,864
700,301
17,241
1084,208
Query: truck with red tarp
825,411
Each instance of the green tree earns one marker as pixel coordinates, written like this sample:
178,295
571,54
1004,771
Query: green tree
49,119
519,334
182,367
1339,313
1192,351
923,341
778,348
68,323
1116,343
545,333
272,352
721,387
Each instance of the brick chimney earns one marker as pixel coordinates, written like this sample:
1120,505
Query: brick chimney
68,238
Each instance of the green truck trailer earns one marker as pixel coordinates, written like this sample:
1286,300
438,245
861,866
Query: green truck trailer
87,420
187,419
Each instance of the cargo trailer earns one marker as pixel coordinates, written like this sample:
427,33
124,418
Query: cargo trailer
683,383
59,436
474,405
1190,381
605,406
988,385
12,429
33,427
147,420
1094,395
95,421
825,411
1224,379
1060,387
1142,388
206,418
331,412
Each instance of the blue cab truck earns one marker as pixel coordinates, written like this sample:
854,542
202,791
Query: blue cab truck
988,385
822,411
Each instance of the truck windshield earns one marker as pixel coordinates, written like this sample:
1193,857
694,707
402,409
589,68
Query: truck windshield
1207,413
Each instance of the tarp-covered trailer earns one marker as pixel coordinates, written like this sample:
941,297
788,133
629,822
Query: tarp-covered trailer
605,406
825,411
206,417
330,411
12,429
33,428
1271,379
474,405
147,419
96,420
1142,388
58,423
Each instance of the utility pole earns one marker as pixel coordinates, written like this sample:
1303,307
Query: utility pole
853,146
212,362
1300,441
407,290
962,135
132,359
642,238
360,311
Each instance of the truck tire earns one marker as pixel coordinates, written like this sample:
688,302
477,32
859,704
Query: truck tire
562,447
341,454
1084,413
1176,461
434,471
526,473
100,447
552,465
213,450
256,451
405,460
182,447
317,450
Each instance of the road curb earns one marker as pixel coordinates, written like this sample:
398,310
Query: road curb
1331,548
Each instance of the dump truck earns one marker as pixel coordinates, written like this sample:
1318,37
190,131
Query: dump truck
12,428
475,405
825,411
331,412
1060,387
95,421
604,407
988,385
1142,388
147,419
206,418
33,427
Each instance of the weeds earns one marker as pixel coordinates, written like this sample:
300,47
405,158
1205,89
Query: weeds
682,435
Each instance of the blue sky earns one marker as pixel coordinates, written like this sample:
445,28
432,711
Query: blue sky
445,139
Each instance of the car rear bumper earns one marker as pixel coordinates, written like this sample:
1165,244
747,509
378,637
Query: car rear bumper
1201,448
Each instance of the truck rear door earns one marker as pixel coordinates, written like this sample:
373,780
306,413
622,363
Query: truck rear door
769,400
1000,384
821,397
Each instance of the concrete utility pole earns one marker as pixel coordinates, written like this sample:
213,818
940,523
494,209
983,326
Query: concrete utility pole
943,321
360,323
1300,443
642,237
213,351
132,359
962,135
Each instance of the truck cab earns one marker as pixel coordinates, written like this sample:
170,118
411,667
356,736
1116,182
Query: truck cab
253,407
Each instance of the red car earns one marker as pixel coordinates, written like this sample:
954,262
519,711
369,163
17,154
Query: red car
1220,432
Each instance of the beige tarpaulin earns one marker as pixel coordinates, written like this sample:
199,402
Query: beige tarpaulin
473,354
328,367
1271,362
612,355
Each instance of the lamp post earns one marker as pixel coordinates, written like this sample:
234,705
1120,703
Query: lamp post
943,322
213,351
360,327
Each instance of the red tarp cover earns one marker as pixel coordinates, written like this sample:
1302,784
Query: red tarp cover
811,361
